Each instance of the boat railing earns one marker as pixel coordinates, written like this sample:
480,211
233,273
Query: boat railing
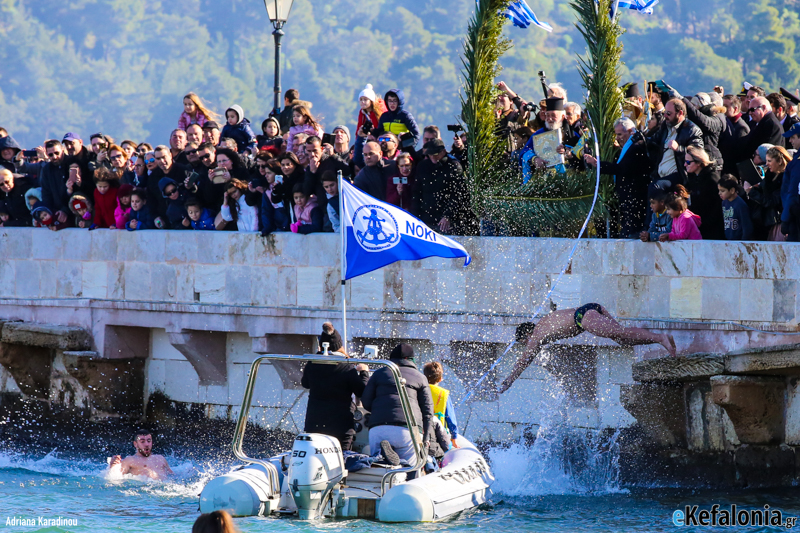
241,424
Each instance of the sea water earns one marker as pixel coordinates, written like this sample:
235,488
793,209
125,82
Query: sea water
532,494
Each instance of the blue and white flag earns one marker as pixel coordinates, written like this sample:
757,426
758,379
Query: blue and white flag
520,13
378,234
642,6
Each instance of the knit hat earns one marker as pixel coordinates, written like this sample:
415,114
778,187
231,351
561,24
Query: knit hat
716,98
124,190
701,99
35,192
402,351
333,339
344,129
80,202
762,150
368,92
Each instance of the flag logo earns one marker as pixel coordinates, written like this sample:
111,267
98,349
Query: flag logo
375,228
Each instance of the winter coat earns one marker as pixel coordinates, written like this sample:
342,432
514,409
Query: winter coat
286,117
53,183
247,219
16,199
768,130
688,135
631,178
392,195
789,188
686,227
330,405
206,221
441,191
104,207
400,120
382,399
372,180
9,142
311,217
659,224
734,130
143,217
242,133
86,219
764,200
711,121
705,202
305,128
372,116
185,119
312,181
121,215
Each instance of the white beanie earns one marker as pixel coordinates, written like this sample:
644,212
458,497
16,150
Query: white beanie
369,93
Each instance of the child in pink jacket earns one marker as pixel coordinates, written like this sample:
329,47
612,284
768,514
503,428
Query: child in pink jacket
303,123
123,210
685,224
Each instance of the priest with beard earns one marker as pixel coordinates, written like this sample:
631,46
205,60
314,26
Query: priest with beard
554,120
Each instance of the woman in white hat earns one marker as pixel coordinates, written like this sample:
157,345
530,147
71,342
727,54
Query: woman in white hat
372,107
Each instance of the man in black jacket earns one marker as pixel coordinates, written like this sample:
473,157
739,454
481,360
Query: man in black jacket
12,192
318,163
668,145
735,128
764,128
441,197
166,169
632,175
330,407
381,398
372,178
780,108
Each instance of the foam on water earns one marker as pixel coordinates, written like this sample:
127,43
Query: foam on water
562,459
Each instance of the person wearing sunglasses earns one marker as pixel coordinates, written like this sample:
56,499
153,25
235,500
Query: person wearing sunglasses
701,183
669,145
764,128
389,144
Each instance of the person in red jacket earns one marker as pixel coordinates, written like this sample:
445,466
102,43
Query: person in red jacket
105,198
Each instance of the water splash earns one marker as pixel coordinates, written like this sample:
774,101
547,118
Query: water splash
563,459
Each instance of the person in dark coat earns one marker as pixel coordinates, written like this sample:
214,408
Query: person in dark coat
238,128
441,197
12,193
372,178
711,121
397,119
735,128
631,172
167,168
318,163
667,147
764,128
790,200
764,197
387,421
9,148
704,194
330,390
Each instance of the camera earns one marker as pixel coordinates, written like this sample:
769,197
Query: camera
455,128
367,127
218,175
102,146
407,140
400,180
542,74
193,178
29,153
531,108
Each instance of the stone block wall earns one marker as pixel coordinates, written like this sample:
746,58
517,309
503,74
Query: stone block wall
247,287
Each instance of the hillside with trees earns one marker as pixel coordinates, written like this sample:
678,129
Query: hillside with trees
121,67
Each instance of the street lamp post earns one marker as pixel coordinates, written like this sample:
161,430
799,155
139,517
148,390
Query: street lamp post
278,12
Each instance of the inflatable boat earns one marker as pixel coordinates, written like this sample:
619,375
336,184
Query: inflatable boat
311,480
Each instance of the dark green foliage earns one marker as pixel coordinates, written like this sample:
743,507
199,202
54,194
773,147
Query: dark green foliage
483,48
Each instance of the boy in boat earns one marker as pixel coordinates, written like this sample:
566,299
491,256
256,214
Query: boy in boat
567,323
143,462
443,408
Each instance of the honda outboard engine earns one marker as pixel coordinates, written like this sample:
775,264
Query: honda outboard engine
316,468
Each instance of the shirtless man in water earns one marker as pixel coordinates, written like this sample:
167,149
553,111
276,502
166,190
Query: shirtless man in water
567,323
143,462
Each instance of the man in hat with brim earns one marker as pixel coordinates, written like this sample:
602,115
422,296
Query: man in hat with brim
554,120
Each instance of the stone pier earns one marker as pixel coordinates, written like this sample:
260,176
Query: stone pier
183,314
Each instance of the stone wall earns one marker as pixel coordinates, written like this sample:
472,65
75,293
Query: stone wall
198,306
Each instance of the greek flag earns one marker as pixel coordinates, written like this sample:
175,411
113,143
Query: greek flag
378,234
642,6
520,13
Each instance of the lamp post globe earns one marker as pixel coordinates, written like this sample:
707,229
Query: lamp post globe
278,12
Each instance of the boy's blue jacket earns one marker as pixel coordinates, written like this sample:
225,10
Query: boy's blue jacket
143,216
206,221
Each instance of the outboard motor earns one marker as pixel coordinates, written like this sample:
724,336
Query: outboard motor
316,467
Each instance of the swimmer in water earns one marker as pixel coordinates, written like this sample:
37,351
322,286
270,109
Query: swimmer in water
143,462
567,323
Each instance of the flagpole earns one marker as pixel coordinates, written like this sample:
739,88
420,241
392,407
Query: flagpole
342,230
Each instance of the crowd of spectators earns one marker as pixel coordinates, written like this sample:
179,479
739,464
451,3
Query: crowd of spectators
216,173
710,166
